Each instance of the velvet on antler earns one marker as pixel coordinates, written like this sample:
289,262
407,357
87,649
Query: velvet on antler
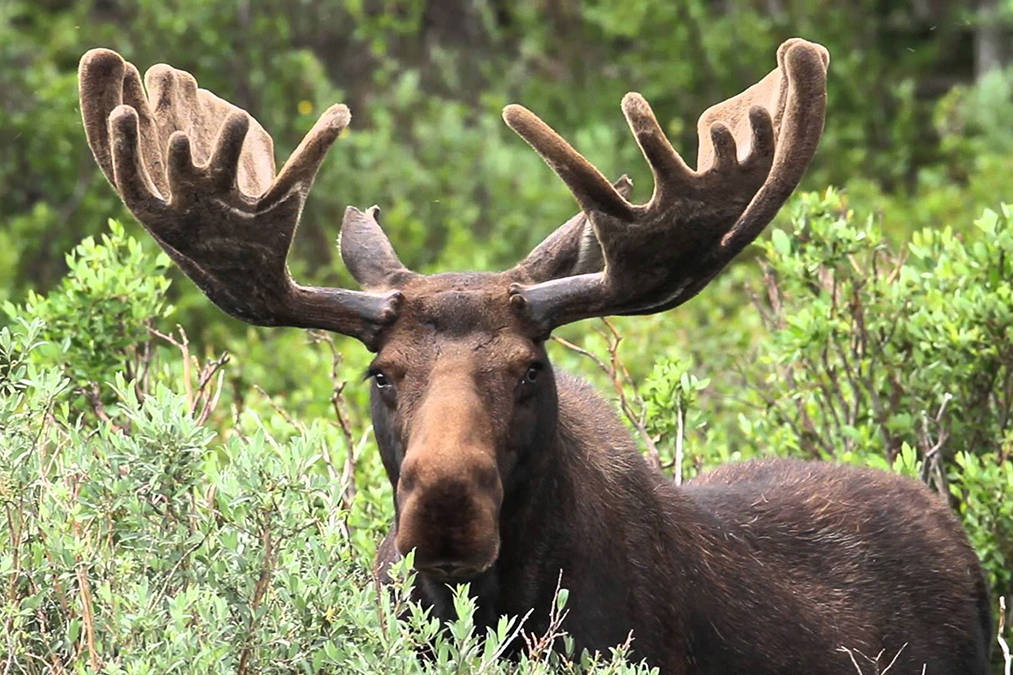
198,173
754,149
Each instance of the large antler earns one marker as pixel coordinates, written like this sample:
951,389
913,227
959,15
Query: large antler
754,149
198,173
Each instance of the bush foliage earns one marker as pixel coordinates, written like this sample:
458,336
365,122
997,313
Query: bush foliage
141,537
164,524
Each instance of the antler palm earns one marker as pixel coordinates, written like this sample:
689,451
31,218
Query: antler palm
198,173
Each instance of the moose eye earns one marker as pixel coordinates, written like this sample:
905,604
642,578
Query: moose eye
534,370
381,380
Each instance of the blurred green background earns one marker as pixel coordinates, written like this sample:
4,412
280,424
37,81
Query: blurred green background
872,324
918,99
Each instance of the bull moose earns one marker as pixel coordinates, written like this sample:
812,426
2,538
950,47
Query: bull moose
513,477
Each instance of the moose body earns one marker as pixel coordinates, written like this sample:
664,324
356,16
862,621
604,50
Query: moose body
516,480
769,566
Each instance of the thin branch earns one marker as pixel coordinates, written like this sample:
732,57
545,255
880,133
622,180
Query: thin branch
932,471
352,449
541,645
203,397
851,655
620,377
183,345
259,590
679,433
895,657
94,397
1007,658
87,616
294,423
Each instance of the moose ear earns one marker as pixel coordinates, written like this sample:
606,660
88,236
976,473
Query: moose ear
365,249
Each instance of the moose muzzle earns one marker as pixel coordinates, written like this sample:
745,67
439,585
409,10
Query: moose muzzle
449,490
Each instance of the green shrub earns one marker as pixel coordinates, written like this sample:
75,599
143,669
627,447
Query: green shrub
95,322
873,347
174,524
983,485
143,540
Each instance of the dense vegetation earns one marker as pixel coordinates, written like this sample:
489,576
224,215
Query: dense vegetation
209,499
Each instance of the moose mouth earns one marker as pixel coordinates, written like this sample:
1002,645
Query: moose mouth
452,572
449,551
457,564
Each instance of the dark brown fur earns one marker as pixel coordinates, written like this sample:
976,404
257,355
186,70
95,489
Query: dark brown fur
760,567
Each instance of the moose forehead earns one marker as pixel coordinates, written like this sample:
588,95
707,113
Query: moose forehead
463,314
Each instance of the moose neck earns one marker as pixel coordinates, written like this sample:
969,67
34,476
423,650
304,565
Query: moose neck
561,524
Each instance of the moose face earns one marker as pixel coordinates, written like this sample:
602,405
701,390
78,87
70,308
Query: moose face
462,392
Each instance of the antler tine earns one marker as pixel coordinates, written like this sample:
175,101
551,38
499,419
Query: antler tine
130,174
666,164
590,188
198,173
754,149
99,72
301,168
224,162
573,248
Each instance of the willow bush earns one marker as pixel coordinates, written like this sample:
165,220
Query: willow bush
164,513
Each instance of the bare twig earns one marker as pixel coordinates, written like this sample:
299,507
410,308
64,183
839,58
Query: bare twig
54,658
851,655
680,430
87,619
631,404
204,398
183,345
294,423
1007,658
486,663
894,660
140,370
932,471
12,587
353,448
774,297
94,397
259,590
540,645
873,660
